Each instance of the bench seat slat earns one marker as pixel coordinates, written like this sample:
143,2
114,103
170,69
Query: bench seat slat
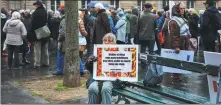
135,97
174,93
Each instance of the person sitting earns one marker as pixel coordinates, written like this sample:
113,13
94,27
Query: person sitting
92,85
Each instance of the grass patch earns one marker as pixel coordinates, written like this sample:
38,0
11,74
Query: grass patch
60,87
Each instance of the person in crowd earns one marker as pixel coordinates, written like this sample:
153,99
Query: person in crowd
82,40
92,85
133,25
54,25
61,46
114,17
121,28
147,25
208,27
3,35
165,30
24,47
179,32
39,19
201,12
160,21
110,19
50,14
91,23
102,25
193,23
15,33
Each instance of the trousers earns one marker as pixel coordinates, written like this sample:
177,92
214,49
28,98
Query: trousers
41,53
106,92
13,50
60,62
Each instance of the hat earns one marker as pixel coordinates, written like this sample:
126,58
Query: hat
209,2
39,2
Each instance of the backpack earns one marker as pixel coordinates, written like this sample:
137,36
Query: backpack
154,75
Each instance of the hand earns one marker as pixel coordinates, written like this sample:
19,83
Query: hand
177,50
93,58
132,41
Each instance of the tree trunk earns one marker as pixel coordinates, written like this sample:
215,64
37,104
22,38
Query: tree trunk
72,61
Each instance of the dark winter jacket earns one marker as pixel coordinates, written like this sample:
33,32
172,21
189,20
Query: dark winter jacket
193,24
115,19
207,29
133,23
102,27
3,21
54,27
147,25
39,19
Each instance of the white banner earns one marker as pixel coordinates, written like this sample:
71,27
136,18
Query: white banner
183,56
212,58
116,62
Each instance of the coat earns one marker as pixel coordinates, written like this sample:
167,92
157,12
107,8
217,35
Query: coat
147,25
3,21
174,40
61,36
193,23
27,23
133,23
121,32
101,28
15,32
39,19
82,33
207,28
54,27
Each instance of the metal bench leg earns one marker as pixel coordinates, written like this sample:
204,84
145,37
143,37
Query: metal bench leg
122,98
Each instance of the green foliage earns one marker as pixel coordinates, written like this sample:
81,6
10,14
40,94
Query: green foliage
60,87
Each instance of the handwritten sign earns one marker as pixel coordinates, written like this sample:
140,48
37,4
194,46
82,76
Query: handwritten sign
183,56
116,61
212,58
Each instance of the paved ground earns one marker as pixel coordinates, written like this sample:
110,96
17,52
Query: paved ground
11,94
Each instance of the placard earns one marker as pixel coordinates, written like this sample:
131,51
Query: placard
183,56
116,62
212,58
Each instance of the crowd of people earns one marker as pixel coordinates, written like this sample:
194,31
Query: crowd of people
178,29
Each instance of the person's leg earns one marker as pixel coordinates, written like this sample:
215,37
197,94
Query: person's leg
16,56
143,46
93,92
37,52
60,63
106,92
206,45
24,53
81,68
213,46
45,54
150,45
10,55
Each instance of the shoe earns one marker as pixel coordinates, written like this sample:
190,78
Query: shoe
57,73
36,67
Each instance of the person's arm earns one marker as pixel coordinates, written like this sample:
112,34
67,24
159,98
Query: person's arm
5,27
105,22
205,22
82,28
23,30
174,33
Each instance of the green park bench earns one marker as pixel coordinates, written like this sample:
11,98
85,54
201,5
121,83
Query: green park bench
162,94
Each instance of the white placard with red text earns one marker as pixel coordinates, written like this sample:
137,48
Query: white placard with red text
212,58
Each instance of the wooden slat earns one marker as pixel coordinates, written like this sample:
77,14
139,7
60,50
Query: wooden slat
173,93
190,66
143,98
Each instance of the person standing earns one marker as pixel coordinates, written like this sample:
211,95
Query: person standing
39,19
24,47
121,28
15,33
91,23
102,25
208,26
133,25
147,25
3,35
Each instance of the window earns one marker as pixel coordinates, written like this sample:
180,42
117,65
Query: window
165,3
15,4
190,3
115,3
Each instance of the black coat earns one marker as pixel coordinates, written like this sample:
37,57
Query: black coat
208,31
3,21
54,27
39,19
193,24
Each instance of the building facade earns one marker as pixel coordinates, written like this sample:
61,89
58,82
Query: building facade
54,4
